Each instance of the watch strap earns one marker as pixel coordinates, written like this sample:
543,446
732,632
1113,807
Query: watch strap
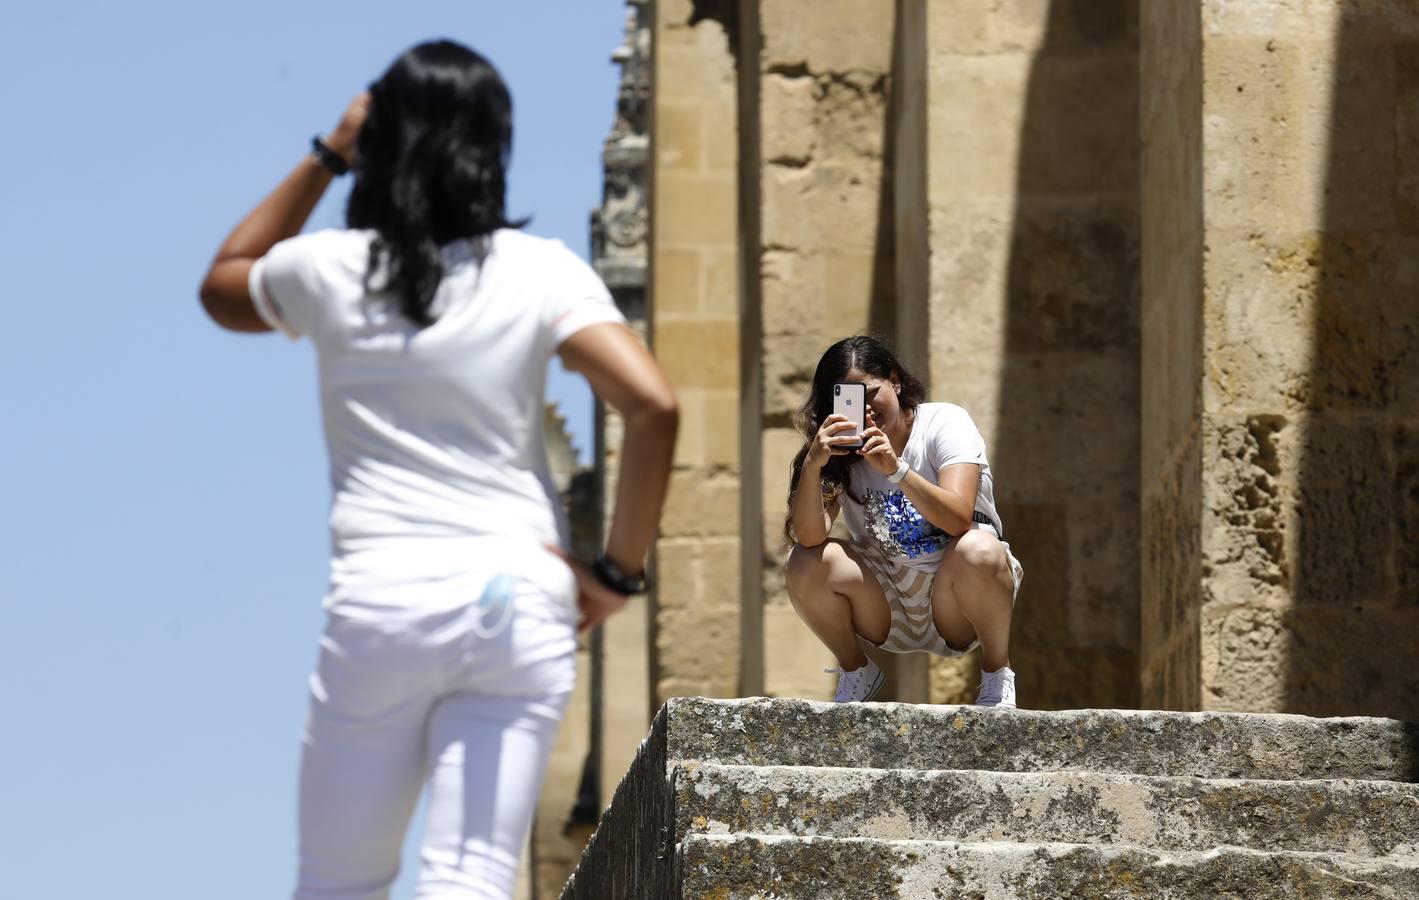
321,152
902,470
610,574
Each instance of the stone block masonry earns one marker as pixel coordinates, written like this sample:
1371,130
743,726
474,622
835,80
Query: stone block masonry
818,258
792,799
694,331
1279,377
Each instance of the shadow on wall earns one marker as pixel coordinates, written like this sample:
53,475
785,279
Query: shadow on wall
1066,455
1353,629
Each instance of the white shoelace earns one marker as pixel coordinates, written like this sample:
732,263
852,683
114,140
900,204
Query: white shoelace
855,682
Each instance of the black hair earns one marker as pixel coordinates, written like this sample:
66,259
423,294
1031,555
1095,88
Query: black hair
429,166
864,353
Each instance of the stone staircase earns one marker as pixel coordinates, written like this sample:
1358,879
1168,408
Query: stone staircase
785,799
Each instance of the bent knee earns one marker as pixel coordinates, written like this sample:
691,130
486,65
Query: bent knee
977,550
808,565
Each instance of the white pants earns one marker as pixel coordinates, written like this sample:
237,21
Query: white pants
463,699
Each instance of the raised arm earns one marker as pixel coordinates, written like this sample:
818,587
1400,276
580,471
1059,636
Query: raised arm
281,215
812,518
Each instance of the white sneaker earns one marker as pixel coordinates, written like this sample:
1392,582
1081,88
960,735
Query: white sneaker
859,685
997,688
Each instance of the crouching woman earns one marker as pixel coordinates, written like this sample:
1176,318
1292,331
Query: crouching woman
924,567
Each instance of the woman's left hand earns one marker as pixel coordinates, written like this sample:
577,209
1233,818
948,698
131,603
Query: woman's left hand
595,601
877,449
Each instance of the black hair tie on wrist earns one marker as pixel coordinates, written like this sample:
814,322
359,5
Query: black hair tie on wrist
327,157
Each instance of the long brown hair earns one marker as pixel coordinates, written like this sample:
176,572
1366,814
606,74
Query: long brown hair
867,354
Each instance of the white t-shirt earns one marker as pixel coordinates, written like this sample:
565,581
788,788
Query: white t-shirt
434,434
942,435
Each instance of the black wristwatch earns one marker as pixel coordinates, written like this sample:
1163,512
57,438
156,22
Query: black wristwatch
321,153
610,574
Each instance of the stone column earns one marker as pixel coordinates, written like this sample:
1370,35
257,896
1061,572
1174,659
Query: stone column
820,250
694,328
1171,125
1281,386
1017,207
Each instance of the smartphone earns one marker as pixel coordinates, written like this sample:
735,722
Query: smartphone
850,400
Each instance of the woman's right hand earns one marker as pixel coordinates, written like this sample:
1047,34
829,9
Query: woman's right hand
830,441
346,134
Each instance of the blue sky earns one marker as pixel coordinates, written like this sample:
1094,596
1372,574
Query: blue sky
164,484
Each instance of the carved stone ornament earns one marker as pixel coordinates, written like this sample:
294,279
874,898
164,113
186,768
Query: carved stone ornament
619,227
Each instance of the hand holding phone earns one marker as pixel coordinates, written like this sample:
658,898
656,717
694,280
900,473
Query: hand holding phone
850,402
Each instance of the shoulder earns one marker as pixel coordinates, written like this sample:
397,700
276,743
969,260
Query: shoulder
331,250
952,411
557,275
942,415
950,430
515,245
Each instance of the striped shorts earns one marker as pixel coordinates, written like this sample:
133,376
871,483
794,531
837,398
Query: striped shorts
908,593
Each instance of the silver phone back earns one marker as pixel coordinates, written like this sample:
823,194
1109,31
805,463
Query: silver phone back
850,400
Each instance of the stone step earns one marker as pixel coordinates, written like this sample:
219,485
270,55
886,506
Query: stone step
740,867
633,853
758,731
1166,813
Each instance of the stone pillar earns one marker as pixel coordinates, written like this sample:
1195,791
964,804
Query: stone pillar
694,328
1017,199
1282,493
819,251
1171,125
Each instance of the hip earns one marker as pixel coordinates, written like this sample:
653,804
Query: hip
398,578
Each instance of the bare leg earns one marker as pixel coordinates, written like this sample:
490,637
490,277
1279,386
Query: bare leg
838,599
973,597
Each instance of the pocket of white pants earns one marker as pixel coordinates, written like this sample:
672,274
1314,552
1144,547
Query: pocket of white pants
548,588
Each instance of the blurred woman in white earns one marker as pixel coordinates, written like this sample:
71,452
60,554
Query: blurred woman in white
452,610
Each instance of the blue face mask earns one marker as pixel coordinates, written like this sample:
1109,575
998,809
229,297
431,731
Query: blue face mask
495,602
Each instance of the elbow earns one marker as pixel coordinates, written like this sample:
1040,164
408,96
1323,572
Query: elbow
659,411
665,407
209,294
211,303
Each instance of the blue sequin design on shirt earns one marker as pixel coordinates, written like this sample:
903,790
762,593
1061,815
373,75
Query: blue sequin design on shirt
899,529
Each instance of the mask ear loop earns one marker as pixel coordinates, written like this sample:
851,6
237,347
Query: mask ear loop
497,594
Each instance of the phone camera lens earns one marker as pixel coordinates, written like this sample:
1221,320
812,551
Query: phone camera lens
837,390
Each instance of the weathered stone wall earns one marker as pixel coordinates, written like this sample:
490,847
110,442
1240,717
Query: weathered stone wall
823,238
1353,628
1171,126
1305,382
1029,166
695,334
1191,364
